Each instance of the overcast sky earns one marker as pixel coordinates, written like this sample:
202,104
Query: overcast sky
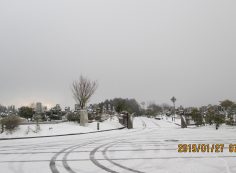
150,50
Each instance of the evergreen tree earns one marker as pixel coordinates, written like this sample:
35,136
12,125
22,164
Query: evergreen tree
197,117
26,112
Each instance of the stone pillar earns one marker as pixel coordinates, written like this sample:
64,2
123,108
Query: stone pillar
183,123
83,117
130,121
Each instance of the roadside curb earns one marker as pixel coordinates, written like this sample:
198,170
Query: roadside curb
70,134
173,123
177,124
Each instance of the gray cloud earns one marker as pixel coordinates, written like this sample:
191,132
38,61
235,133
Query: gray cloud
148,50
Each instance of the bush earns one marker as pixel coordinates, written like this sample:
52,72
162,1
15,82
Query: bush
10,123
91,116
219,119
26,112
229,122
209,118
197,117
73,117
98,118
55,117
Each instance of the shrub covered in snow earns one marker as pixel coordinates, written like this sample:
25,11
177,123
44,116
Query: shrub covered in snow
73,117
10,123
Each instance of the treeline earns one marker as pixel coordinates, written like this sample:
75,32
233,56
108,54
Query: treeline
119,105
132,106
225,112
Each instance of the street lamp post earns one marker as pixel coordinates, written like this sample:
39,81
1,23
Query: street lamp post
173,99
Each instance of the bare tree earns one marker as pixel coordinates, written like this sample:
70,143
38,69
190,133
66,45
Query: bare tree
82,90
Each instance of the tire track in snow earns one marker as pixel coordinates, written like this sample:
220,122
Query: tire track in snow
110,144
104,152
65,160
71,149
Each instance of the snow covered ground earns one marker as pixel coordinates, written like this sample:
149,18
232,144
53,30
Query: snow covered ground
177,120
152,146
60,129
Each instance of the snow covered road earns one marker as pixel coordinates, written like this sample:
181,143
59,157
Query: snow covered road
152,146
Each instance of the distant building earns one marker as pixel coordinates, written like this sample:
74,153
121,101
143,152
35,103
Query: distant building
3,108
38,107
11,109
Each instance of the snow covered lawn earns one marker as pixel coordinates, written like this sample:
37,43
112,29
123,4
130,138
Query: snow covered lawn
60,129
